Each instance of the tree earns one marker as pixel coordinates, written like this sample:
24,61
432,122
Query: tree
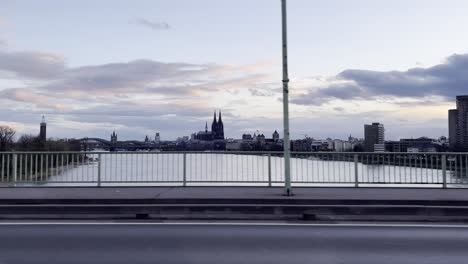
358,148
29,143
7,135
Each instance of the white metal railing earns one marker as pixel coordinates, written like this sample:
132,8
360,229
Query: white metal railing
232,168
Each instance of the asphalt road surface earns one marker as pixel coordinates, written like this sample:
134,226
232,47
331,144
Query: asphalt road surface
207,243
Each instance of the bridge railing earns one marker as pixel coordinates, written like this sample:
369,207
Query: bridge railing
232,168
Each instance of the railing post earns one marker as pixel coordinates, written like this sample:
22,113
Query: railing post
99,171
356,172
269,170
444,171
15,168
184,180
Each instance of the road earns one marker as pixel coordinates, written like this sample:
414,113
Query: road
247,243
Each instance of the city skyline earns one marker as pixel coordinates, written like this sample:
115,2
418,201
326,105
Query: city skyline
158,67
212,133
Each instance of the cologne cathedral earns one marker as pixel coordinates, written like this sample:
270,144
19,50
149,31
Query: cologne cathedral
217,130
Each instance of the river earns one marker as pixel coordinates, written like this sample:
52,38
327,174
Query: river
233,169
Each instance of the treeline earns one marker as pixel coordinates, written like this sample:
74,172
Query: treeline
35,166
33,143
30,142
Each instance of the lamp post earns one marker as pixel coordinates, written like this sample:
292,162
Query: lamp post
286,144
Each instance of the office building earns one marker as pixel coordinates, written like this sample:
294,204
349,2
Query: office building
374,137
458,125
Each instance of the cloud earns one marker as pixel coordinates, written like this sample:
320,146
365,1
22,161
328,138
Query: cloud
140,97
30,65
152,25
339,109
418,102
30,97
139,76
23,95
55,81
445,80
144,109
138,94
260,92
149,78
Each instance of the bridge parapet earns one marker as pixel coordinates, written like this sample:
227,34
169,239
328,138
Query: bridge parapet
154,168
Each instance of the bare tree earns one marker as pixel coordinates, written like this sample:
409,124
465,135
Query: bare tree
29,143
7,135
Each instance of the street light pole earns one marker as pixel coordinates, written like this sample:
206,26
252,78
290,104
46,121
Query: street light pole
286,144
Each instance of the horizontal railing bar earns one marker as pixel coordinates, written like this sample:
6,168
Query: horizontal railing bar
94,182
235,152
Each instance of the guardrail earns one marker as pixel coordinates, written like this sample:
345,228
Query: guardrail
232,168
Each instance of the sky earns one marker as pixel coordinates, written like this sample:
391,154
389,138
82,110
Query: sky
141,67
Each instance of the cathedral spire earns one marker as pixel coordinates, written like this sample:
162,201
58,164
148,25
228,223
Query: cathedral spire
220,117
214,125
206,127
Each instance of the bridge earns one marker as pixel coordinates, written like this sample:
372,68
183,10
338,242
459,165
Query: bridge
236,185
129,145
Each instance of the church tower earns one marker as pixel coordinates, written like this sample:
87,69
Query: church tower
220,130
43,131
113,137
214,126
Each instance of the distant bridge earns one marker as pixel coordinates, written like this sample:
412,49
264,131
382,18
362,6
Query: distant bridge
129,145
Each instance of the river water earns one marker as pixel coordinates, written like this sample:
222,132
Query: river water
231,169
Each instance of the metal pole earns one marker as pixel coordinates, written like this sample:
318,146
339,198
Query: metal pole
99,171
14,168
269,170
185,170
444,171
356,172
286,145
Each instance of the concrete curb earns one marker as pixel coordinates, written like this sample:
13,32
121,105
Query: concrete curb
244,211
246,201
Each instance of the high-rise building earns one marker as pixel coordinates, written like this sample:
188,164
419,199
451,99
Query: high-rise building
374,137
458,125
453,120
157,137
43,130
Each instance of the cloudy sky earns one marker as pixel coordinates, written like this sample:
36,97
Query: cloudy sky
138,67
